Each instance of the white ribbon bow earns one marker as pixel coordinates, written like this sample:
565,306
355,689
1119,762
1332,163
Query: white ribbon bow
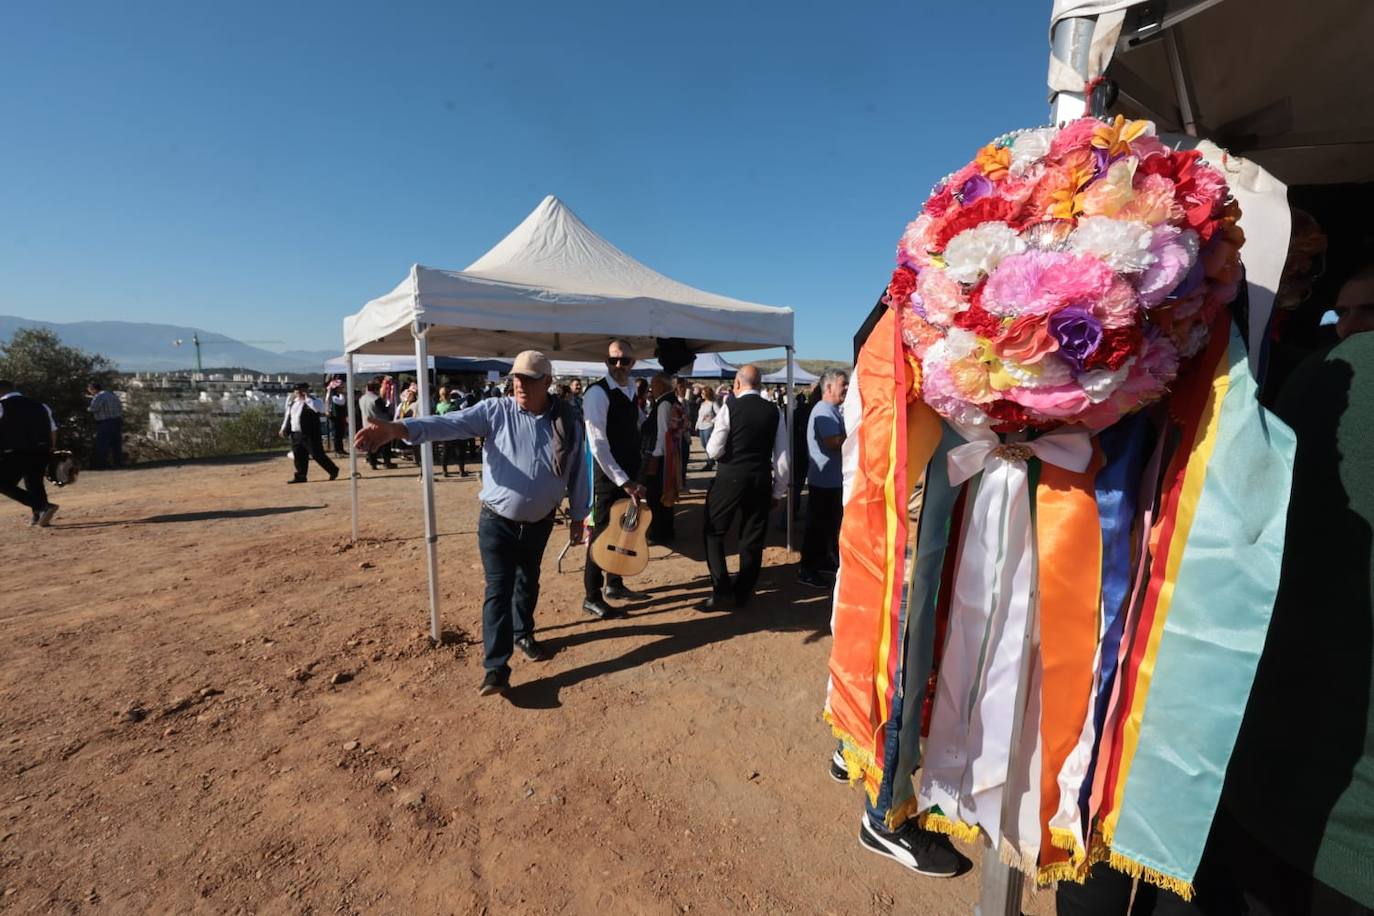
976,720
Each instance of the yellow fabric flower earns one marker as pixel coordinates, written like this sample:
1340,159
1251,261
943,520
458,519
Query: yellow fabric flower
1116,137
994,161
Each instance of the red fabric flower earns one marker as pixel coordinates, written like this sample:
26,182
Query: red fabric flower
900,288
1008,416
980,321
984,210
1118,345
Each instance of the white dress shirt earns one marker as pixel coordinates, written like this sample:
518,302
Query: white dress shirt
782,463
595,405
292,419
664,417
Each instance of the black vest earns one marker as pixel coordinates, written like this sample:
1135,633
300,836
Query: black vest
753,430
24,426
622,431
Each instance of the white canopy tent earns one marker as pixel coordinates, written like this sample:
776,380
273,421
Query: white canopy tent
573,368
791,374
710,365
375,364
554,285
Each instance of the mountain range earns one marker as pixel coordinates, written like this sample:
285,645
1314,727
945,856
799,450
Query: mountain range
141,347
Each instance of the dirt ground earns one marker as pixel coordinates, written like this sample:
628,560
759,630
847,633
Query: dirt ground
211,702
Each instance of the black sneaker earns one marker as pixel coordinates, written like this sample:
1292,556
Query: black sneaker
839,770
494,682
923,851
334,474
296,480
814,580
531,649
621,593
45,517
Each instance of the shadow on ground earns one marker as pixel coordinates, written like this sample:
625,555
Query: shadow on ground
209,515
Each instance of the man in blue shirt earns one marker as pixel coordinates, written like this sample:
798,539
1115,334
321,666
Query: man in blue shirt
533,457
825,481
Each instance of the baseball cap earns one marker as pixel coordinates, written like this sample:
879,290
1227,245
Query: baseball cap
532,364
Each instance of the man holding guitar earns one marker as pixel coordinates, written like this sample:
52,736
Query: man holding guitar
532,446
613,432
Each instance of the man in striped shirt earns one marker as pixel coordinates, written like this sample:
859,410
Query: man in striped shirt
109,426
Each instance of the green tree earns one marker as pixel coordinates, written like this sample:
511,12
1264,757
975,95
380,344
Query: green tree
36,360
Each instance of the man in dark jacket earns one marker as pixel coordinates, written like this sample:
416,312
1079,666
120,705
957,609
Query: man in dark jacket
749,443
302,423
28,434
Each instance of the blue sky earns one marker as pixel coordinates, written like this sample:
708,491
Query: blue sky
262,169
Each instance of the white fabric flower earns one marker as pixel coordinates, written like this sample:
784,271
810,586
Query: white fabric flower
977,251
1100,384
1049,372
1029,148
1124,246
957,344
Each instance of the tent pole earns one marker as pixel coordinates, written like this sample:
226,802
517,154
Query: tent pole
352,449
421,333
790,439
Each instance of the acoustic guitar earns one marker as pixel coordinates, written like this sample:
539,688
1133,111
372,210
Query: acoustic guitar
622,546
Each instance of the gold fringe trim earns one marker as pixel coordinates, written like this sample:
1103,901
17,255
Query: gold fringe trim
959,830
1014,858
860,764
1150,876
898,816
1100,850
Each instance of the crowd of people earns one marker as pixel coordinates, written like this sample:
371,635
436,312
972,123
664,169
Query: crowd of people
624,438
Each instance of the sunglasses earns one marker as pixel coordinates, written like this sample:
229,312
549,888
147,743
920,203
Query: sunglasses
620,360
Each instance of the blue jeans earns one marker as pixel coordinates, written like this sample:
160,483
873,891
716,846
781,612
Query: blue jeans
109,435
511,552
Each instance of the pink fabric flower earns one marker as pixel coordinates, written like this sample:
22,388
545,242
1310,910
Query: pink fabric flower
1027,340
1072,136
1152,202
1060,403
918,241
1017,281
941,297
1174,251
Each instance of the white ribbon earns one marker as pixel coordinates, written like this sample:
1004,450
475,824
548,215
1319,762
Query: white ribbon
975,718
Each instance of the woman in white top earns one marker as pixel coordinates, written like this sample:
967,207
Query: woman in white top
706,419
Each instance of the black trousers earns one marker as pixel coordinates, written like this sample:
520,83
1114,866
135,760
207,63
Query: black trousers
661,528
30,468
821,543
747,496
511,554
604,495
454,450
338,427
109,441
303,448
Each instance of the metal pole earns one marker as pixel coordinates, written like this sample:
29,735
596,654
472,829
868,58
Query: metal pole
790,439
1072,43
420,332
1183,90
352,449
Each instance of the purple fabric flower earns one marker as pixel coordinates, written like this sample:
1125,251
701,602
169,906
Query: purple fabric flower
1078,333
975,188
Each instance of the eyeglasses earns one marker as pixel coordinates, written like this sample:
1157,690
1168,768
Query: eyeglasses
620,360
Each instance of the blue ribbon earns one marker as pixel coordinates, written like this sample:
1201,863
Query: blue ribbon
1124,450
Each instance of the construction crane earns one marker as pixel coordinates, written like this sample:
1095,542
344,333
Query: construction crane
196,340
